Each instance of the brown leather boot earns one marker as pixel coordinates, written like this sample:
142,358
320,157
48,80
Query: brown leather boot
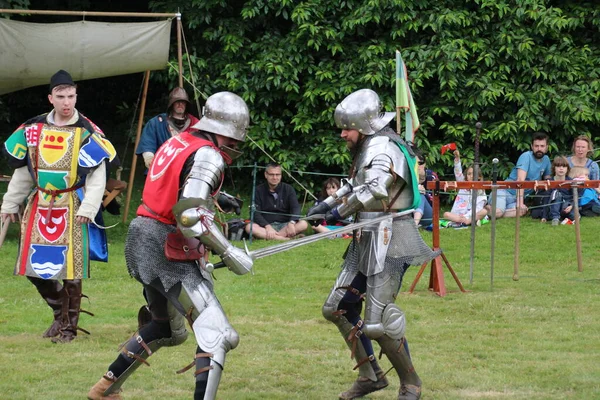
363,386
70,312
97,391
54,329
52,292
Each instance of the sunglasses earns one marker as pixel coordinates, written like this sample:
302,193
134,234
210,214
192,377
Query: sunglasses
421,162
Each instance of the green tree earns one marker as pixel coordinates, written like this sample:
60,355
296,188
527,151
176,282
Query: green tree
517,66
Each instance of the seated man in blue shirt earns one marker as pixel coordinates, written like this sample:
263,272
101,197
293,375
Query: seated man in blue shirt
532,165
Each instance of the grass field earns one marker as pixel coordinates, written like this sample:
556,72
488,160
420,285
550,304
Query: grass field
536,338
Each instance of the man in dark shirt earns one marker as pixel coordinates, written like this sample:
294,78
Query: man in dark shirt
277,209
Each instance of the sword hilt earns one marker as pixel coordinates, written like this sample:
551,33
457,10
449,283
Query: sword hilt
210,267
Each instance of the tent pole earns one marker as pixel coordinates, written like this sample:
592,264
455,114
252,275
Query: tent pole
137,141
179,57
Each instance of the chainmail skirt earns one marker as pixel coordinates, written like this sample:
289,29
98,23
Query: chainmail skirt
406,248
146,260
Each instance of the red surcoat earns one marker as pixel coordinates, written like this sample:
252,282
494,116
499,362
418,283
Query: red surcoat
161,190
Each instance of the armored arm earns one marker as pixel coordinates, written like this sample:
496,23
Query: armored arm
194,211
378,178
325,206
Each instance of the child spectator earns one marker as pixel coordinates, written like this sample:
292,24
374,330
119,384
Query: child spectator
330,186
560,202
461,213
589,205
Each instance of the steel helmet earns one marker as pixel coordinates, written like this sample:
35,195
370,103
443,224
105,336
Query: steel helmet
361,111
179,94
225,114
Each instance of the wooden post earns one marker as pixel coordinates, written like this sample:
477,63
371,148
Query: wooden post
436,279
179,51
137,141
517,232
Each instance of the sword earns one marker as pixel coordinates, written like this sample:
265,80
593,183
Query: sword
292,244
493,224
474,199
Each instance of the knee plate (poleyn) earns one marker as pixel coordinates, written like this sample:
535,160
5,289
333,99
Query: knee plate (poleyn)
393,324
179,333
394,321
329,312
214,334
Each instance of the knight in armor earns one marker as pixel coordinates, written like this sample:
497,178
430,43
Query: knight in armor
382,181
178,207
164,126
61,161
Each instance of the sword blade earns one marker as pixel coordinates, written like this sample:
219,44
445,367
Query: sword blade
493,235
292,244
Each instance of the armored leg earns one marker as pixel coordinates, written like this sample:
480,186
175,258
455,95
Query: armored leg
51,292
396,350
70,311
385,322
166,328
176,320
214,334
341,307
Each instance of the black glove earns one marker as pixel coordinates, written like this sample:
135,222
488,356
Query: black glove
228,203
319,209
332,217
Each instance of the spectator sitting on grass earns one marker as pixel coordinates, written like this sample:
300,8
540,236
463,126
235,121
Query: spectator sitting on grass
532,165
277,209
559,202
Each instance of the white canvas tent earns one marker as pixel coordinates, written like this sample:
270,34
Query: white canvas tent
31,52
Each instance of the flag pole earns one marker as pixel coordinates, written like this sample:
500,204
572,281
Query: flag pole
398,88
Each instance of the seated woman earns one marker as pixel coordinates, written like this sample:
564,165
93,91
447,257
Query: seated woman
582,149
